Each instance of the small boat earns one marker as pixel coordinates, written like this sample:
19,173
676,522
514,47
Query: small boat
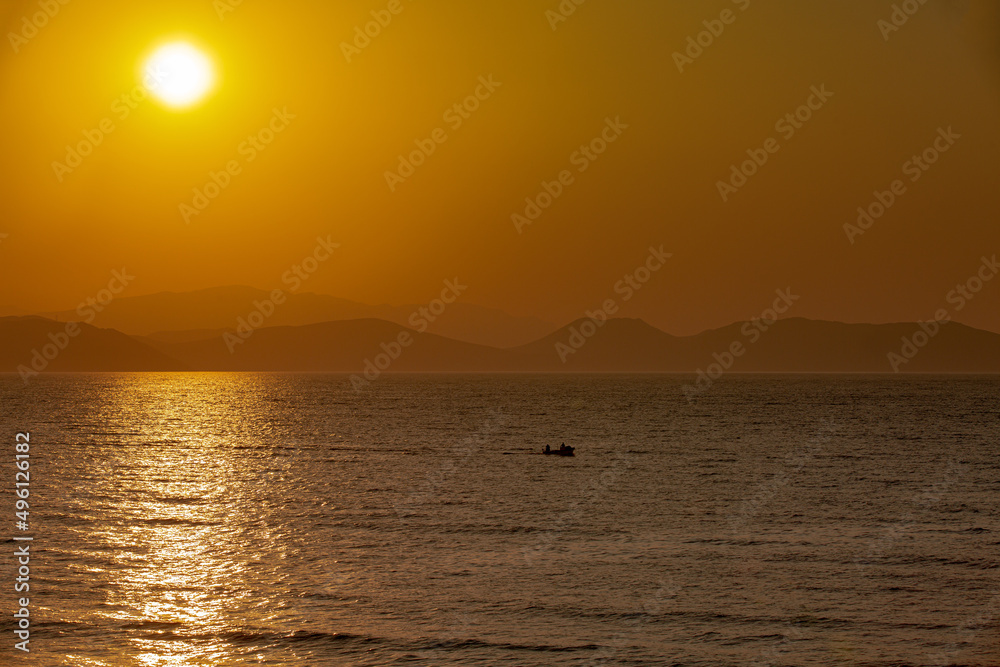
562,451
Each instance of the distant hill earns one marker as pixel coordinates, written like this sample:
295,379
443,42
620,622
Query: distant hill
92,349
799,345
9,311
334,347
219,308
794,345
620,345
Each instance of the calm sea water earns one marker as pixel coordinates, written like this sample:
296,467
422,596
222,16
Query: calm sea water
226,519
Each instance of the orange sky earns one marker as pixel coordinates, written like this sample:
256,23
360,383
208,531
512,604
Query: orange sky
552,91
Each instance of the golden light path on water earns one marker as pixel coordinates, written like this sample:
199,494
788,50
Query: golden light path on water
189,544
284,519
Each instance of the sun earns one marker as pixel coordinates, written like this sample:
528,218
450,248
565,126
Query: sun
179,74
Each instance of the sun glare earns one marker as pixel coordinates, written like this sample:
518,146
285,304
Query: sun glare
179,74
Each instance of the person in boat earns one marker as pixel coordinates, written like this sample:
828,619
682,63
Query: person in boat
547,449
562,447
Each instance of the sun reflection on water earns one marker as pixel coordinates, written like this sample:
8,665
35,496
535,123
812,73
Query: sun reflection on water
178,520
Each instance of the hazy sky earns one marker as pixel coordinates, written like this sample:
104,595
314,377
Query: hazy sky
885,95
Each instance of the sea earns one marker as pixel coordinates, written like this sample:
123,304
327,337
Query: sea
288,519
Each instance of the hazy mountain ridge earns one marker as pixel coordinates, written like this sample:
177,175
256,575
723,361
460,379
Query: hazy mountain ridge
32,344
794,345
164,314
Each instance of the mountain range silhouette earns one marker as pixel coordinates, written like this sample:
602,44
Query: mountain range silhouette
197,332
